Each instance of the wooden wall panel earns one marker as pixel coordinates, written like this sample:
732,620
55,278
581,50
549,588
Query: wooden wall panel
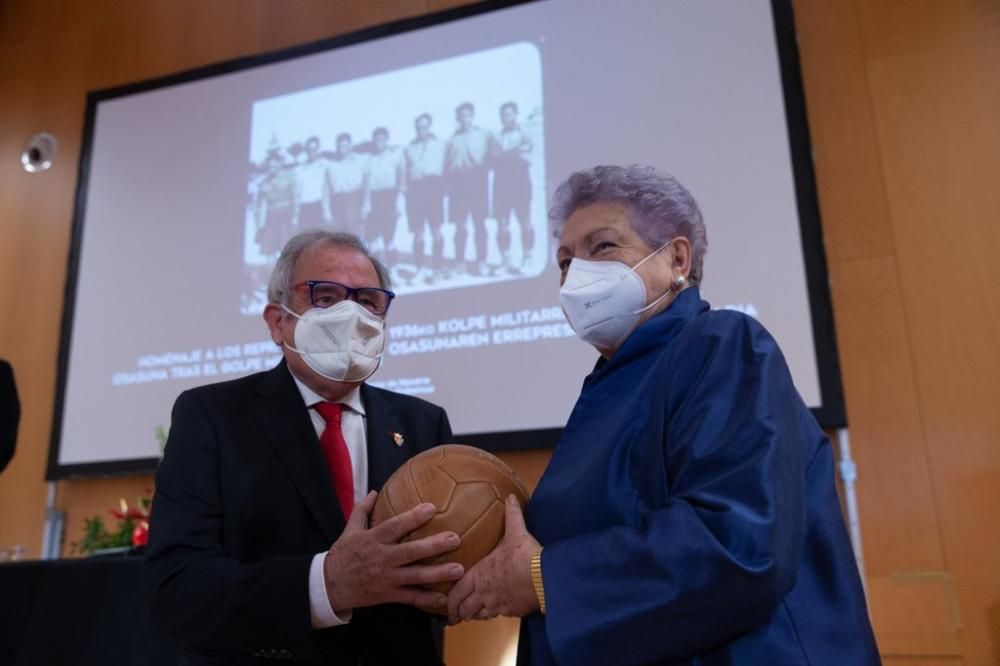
883,412
34,231
900,528
919,353
935,90
855,211
492,643
916,615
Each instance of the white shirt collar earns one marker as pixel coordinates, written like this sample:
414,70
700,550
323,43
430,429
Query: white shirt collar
352,400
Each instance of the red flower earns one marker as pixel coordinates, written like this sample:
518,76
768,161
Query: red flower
140,535
134,513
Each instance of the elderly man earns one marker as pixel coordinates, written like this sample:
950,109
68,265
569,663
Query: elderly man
259,545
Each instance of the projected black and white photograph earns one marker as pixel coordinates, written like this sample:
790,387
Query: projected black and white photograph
438,167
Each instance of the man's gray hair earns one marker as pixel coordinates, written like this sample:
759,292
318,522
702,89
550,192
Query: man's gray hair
661,208
279,288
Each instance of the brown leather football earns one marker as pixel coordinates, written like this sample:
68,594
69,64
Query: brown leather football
468,486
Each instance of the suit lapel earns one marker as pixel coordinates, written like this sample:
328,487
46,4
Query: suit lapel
284,420
384,454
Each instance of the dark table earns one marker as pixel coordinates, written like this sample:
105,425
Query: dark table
78,613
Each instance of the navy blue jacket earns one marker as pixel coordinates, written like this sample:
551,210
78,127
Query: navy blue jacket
689,513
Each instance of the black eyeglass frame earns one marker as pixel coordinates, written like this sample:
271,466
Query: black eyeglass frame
351,294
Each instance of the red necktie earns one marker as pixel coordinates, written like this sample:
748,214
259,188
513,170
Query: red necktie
338,458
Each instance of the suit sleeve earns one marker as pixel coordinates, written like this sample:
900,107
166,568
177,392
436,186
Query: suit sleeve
196,591
716,560
10,414
445,435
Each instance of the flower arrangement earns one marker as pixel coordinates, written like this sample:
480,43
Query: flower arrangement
132,530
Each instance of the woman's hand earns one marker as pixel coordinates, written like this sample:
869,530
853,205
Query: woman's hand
500,584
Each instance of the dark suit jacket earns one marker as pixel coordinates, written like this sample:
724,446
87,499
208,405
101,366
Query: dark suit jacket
243,502
10,414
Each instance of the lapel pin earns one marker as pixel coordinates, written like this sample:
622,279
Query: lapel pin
397,438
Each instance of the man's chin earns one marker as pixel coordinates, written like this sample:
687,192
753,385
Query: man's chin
328,388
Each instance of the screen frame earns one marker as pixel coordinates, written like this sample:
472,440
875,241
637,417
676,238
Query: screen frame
830,415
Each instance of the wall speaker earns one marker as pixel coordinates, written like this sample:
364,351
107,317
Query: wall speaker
39,152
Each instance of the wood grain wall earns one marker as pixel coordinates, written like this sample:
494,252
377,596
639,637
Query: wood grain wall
903,100
904,110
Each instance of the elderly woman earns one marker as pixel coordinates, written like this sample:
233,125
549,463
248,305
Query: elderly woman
688,514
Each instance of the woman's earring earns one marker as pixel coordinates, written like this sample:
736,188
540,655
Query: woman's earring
680,282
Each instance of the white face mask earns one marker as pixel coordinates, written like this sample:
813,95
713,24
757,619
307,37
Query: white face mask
343,342
603,300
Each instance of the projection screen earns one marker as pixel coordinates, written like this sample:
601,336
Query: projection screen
440,140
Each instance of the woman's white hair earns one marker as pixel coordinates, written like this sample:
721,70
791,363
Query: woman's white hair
279,287
661,208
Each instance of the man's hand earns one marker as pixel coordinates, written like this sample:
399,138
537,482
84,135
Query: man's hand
500,584
370,566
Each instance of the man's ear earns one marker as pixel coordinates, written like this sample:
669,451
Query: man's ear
274,316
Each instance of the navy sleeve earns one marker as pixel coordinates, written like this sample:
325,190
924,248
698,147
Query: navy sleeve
717,558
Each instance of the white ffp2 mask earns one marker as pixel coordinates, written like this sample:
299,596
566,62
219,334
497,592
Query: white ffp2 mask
343,342
603,300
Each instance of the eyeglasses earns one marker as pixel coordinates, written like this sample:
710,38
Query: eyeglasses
323,294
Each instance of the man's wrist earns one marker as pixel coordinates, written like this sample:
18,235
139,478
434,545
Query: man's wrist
321,611
536,579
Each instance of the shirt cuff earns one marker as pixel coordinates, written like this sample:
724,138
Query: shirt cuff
320,612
